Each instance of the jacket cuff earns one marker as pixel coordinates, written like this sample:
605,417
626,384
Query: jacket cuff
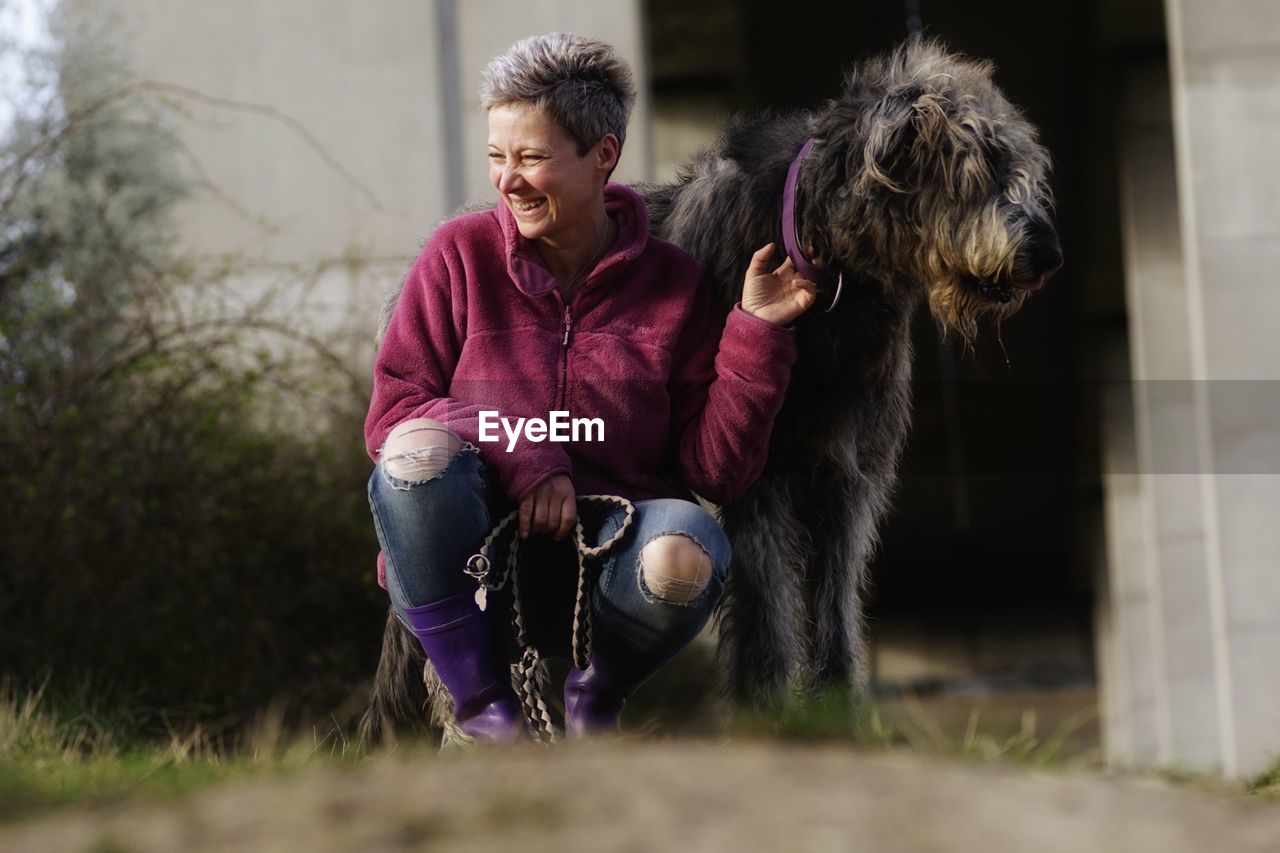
754,347
744,315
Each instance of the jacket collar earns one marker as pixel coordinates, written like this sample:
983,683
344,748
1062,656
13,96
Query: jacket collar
531,275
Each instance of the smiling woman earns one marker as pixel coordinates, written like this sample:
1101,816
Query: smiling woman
558,300
552,190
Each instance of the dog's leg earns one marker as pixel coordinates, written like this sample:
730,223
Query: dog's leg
761,632
844,535
850,500
397,703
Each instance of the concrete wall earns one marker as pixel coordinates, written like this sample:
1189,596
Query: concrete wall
1192,627
333,136
1160,706
1224,67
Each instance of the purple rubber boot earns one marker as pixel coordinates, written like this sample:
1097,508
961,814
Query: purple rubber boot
467,648
593,697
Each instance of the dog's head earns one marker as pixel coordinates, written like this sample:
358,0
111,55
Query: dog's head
929,174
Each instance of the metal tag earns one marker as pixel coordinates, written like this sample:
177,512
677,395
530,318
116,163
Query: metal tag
482,598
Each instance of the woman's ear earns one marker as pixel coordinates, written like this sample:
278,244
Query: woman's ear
607,151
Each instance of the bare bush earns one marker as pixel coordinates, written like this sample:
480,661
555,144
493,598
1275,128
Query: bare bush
160,528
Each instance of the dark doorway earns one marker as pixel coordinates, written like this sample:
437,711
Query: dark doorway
988,562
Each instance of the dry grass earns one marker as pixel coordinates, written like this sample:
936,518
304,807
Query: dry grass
1267,785
936,728
77,749
80,749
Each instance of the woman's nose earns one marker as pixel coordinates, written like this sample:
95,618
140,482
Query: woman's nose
508,179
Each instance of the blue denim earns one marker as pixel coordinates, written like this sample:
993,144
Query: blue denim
429,528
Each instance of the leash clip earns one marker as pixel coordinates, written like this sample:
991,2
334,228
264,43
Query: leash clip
477,567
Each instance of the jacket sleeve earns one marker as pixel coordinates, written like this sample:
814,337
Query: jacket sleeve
727,387
416,363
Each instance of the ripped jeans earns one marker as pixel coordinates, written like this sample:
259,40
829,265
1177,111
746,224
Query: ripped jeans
429,527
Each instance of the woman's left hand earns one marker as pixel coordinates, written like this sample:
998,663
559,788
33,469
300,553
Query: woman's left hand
779,296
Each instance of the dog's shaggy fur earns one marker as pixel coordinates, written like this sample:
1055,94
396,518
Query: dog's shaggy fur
924,183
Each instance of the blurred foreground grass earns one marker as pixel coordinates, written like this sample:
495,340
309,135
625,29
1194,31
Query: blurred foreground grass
57,751
80,749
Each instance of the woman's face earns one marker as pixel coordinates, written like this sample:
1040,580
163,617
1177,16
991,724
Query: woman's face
553,192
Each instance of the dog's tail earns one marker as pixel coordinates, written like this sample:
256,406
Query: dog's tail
397,705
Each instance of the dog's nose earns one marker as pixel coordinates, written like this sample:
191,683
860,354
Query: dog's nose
1045,250
1047,260
1039,258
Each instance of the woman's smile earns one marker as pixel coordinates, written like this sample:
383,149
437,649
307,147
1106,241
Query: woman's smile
525,206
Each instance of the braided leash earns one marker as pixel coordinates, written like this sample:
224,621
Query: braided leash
529,676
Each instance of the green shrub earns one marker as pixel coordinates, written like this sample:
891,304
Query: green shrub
162,533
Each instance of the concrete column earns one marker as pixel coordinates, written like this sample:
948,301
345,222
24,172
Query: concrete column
1126,614
1162,593
1224,64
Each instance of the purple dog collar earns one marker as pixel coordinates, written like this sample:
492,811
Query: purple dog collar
808,271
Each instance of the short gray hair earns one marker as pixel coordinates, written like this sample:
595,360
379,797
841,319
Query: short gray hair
579,83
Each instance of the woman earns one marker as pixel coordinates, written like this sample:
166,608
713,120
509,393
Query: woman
559,300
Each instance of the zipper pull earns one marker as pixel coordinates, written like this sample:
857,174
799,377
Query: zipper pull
568,323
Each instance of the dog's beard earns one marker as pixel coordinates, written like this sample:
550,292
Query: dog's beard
960,306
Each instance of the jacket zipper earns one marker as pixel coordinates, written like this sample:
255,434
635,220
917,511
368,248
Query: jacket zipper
564,358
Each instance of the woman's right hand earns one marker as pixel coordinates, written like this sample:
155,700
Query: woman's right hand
552,507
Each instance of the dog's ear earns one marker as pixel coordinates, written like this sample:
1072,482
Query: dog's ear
951,147
890,134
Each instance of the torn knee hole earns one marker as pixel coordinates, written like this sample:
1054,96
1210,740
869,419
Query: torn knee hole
417,465
675,567
420,449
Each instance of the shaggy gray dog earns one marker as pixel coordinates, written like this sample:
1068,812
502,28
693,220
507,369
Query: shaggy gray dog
923,182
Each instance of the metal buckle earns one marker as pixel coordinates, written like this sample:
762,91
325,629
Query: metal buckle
478,574
839,287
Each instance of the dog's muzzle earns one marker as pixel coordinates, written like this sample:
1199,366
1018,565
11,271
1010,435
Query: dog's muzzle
1036,262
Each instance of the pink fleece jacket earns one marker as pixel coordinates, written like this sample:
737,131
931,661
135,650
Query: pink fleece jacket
687,397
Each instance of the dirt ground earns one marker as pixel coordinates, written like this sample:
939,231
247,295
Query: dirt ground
671,795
